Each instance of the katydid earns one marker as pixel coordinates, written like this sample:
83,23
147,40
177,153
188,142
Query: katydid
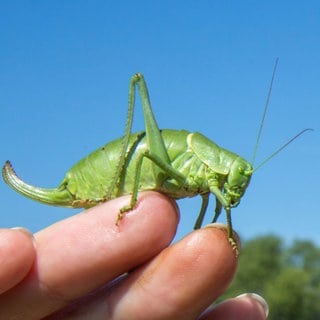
177,163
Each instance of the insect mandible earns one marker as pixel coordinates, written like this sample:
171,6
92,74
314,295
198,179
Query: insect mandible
177,163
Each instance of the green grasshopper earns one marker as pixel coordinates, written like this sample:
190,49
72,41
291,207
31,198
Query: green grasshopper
177,163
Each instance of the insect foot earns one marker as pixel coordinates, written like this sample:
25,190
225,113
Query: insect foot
122,212
119,217
234,241
234,246
232,236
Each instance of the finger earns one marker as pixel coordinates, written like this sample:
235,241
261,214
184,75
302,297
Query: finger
81,253
17,254
179,283
244,307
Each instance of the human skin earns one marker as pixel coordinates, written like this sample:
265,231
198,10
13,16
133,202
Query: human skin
86,267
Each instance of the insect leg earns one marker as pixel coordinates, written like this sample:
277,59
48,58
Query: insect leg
167,168
124,145
217,211
135,190
230,232
222,202
156,148
154,138
204,205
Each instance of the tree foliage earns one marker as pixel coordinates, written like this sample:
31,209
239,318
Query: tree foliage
287,277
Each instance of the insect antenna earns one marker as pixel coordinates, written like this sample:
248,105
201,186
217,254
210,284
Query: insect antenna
265,109
281,148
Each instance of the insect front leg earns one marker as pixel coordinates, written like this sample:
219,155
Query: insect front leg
222,202
232,242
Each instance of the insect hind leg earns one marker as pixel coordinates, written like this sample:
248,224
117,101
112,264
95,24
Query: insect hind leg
163,165
135,189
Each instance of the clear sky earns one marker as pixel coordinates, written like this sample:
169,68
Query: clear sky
65,67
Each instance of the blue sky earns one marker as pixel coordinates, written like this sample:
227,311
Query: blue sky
65,67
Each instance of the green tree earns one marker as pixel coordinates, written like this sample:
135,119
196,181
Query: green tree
288,278
289,297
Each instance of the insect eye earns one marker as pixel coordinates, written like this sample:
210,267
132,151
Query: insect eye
241,169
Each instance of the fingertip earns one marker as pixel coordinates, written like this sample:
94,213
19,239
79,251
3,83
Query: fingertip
248,306
153,210
17,256
259,302
220,233
155,217
148,203
25,232
166,207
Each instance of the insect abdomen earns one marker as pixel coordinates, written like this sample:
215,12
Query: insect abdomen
90,178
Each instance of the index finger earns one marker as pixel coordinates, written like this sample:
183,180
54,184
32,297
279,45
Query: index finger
81,253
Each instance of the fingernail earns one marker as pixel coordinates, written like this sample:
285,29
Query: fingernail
24,231
217,225
224,228
257,298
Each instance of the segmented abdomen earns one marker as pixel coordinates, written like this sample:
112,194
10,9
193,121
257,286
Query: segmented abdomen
91,177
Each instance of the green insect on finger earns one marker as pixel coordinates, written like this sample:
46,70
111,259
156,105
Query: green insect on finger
177,163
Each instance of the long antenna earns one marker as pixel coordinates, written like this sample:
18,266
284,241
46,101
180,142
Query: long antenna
281,148
264,113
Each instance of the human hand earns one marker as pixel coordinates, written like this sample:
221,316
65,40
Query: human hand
85,267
